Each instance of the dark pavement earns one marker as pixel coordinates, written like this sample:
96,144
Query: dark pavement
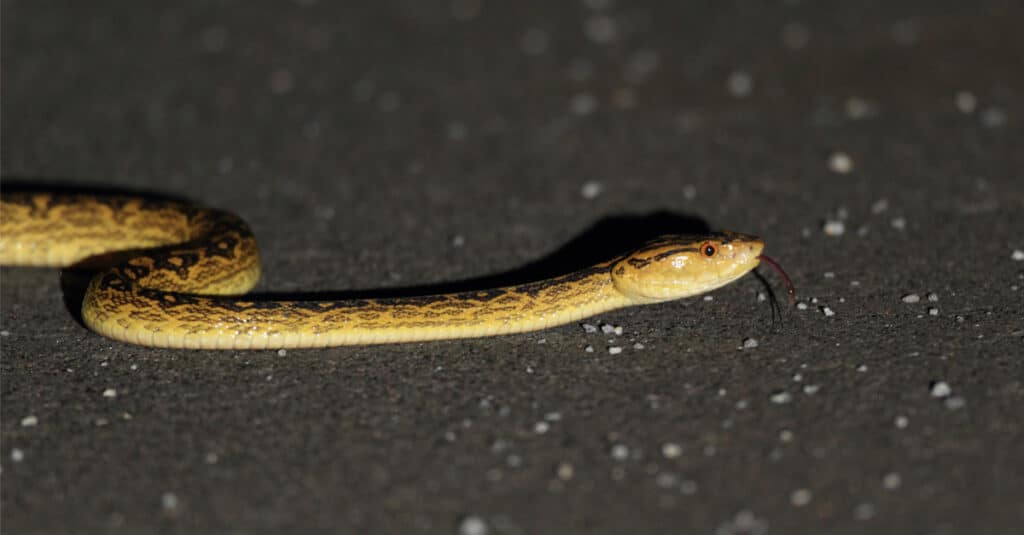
876,146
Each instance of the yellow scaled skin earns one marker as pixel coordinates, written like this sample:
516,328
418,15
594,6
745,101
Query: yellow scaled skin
174,286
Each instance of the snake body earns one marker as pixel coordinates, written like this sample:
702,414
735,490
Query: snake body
182,281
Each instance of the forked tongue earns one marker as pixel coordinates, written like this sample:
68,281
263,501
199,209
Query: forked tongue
789,284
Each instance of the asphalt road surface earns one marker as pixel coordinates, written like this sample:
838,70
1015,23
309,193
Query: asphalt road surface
876,146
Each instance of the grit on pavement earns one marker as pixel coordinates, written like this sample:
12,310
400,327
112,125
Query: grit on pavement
876,146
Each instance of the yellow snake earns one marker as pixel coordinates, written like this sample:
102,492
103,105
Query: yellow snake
182,283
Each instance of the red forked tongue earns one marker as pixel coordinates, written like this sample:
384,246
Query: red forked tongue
789,284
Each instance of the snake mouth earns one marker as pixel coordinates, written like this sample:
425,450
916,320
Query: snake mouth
789,284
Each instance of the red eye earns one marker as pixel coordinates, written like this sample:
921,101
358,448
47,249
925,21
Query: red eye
708,250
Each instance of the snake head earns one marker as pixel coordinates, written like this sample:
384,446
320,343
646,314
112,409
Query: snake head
673,267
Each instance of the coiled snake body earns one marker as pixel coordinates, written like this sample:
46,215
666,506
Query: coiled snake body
182,285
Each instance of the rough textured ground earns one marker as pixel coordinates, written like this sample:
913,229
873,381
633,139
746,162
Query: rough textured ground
419,142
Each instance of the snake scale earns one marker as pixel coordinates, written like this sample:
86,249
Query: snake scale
182,282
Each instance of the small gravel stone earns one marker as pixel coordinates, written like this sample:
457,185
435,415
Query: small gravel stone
955,402
933,297
591,190
17,455
169,501
879,206
589,349
993,117
940,389
899,223
740,84
620,452
781,397
864,511
565,471
110,393
282,352
932,311
1017,255
810,390
901,422
840,162
828,312
5,333
749,343
800,497
541,427
583,104
473,525
588,328
29,421
638,345
671,450
801,306
966,102
614,350
834,228
911,298
891,481
607,328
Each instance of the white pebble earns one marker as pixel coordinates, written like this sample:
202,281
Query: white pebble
473,525
941,389
614,350
5,333
899,223
565,471
458,240
800,497
749,343
740,84
834,227
840,162
588,328
781,397
541,427
671,450
110,393
862,368
993,117
859,108
932,311
810,390
933,297
864,511
638,345
1017,255
911,298
801,306
17,455
591,190
29,421
620,452
955,402
828,312
689,192
709,298
607,328
583,104
169,501
966,102
891,481
901,422
879,206
589,349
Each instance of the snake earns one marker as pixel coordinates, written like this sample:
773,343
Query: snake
181,272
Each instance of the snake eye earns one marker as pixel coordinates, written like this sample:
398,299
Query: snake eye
708,250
